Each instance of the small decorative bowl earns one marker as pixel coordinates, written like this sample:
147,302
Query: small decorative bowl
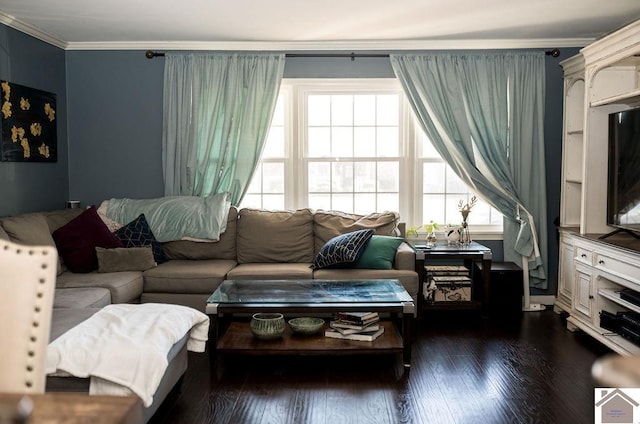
306,325
267,325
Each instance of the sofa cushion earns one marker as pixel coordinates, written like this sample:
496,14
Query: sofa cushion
125,287
342,250
82,297
225,248
125,259
77,240
328,224
30,229
275,236
58,218
271,271
187,276
197,301
137,233
64,319
379,253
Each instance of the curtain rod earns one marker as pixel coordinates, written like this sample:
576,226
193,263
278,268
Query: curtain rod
150,54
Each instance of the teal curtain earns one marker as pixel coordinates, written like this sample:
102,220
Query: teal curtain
484,113
217,111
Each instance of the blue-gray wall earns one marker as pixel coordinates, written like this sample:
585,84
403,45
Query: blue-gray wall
31,186
553,159
115,125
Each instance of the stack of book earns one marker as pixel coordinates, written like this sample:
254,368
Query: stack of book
363,326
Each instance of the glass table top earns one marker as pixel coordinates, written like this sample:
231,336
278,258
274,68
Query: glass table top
442,248
309,292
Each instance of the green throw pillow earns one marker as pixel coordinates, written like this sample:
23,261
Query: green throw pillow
379,253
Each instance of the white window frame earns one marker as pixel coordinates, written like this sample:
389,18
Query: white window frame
305,87
294,92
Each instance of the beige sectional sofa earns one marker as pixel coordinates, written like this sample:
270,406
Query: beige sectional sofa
256,244
260,244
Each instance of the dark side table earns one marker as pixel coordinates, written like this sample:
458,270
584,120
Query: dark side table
443,252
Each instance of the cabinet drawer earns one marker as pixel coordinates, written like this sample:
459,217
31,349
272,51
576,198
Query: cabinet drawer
614,267
583,255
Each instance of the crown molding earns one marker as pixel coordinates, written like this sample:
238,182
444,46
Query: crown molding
348,45
31,30
614,46
381,45
574,65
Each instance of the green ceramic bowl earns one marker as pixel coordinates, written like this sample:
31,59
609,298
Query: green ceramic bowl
267,326
306,325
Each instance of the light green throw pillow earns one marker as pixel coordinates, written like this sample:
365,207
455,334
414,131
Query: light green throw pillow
379,253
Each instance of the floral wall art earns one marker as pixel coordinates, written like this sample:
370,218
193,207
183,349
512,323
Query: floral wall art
28,124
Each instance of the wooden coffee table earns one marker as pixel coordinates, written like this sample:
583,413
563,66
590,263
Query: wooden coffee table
235,300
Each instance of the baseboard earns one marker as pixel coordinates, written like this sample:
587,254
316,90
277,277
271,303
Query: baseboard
544,299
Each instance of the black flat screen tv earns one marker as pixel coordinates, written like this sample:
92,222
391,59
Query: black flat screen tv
623,199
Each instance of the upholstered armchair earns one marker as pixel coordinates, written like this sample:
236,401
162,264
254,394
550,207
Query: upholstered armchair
27,283
614,370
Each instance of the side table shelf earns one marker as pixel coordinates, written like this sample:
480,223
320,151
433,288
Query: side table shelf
469,255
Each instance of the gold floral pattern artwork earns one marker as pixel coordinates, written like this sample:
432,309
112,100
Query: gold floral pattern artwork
29,132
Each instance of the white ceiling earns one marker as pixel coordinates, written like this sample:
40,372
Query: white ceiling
317,24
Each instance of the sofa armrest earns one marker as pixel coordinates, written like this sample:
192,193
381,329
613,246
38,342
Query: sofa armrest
405,257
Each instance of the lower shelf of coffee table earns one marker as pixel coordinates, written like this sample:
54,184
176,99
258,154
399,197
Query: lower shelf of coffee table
239,339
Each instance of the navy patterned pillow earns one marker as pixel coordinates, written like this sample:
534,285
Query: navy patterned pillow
342,250
137,233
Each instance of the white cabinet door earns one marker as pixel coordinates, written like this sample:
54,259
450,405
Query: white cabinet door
584,296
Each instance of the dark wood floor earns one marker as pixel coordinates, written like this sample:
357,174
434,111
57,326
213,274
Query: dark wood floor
465,370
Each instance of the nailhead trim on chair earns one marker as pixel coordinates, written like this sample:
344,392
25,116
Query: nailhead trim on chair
36,319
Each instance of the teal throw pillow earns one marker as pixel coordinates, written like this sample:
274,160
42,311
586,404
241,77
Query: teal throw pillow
379,253
342,250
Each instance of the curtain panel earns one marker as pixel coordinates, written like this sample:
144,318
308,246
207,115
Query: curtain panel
217,111
484,114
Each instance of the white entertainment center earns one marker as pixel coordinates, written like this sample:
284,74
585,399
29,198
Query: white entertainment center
603,79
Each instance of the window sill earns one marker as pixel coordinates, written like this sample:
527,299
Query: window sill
475,235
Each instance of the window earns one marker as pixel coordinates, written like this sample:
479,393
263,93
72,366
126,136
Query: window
268,186
442,190
352,145
352,151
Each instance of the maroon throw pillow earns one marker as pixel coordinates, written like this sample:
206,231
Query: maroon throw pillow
77,240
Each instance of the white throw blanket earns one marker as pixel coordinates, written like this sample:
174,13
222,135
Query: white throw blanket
125,346
175,217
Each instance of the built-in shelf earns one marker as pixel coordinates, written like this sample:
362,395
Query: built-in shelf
614,296
614,341
603,78
617,342
628,98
